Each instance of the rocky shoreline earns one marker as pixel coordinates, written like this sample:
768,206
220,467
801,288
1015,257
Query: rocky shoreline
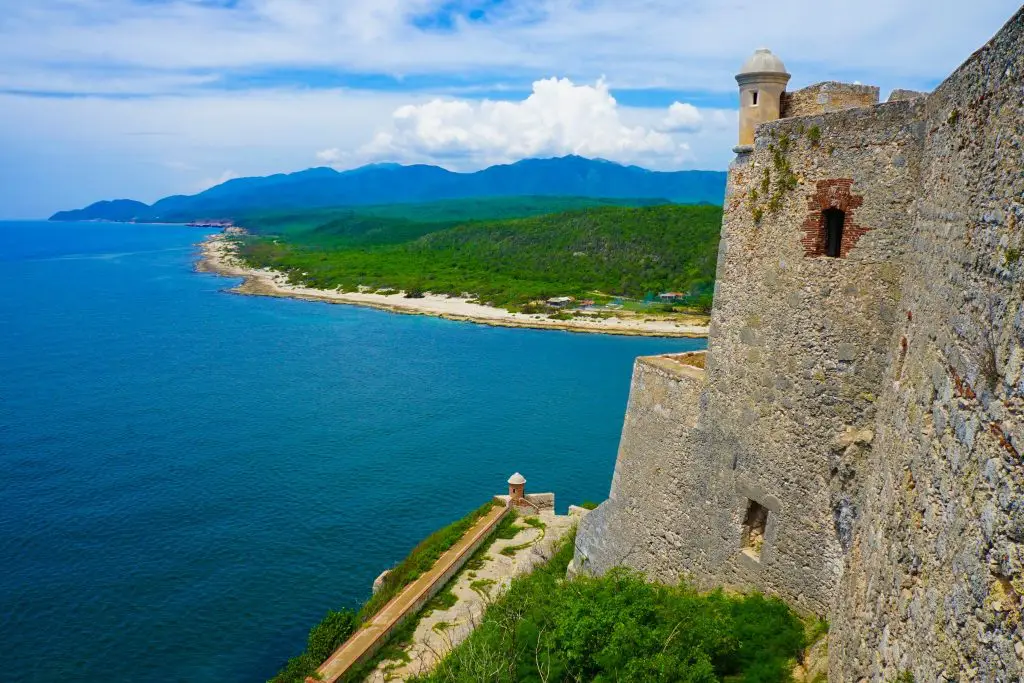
217,255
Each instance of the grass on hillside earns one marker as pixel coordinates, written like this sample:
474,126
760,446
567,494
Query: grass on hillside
337,626
618,250
619,627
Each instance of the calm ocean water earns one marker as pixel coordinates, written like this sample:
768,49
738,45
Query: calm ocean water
190,479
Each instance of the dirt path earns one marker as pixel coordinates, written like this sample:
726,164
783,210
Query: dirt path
370,635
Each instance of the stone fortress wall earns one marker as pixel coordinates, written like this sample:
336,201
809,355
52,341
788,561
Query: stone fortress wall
829,96
935,578
853,443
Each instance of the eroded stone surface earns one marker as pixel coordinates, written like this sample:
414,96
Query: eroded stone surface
871,402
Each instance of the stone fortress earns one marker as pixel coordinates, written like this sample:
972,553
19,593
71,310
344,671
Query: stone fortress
853,439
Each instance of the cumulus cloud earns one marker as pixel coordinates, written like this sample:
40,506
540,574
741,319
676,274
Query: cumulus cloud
557,118
682,117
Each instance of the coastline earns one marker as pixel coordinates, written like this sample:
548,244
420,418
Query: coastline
217,256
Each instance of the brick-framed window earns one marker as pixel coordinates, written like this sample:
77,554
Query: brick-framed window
830,228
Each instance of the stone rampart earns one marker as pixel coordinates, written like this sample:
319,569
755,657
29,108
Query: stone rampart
899,94
937,569
795,360
653,453
854,443
830,96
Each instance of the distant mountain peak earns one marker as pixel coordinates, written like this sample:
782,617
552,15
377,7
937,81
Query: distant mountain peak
393,183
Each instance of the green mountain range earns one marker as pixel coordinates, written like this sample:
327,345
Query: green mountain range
379,184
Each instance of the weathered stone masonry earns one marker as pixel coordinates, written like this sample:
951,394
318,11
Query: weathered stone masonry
853,443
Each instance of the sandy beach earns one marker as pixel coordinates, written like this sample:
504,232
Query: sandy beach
217,255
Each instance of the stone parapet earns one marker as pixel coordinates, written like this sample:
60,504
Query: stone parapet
829,96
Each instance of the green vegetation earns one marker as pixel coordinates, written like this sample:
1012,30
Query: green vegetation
482,587
336,627
391,218
771,191
421,559
621,628
395,649
632,252
324,638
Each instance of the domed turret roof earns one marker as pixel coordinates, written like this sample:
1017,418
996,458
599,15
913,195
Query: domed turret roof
516,479
763,61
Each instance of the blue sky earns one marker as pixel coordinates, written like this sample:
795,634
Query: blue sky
146,98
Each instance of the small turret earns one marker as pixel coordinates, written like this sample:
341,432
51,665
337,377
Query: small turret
762,80
516,485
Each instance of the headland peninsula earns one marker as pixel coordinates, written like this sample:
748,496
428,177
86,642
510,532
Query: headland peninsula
219,254
565,243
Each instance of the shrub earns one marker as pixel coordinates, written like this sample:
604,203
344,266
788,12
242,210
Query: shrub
619,627
324,638
814,135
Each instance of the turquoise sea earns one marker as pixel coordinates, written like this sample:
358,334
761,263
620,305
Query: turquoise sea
189,479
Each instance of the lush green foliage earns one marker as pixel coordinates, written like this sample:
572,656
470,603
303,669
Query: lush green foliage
324,638
622,628
614,250
336,627
392,223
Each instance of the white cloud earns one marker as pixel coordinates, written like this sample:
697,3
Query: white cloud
115,45
251,85
682,117
330,156
557,118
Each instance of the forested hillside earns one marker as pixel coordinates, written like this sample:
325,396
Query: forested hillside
393,223
613,250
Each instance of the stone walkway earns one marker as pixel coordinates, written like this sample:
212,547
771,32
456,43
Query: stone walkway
474,588
368,638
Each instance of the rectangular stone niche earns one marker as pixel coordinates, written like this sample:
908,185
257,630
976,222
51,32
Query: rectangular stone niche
755,523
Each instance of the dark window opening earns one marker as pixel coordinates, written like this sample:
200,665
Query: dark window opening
754,526
834,219
754,93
